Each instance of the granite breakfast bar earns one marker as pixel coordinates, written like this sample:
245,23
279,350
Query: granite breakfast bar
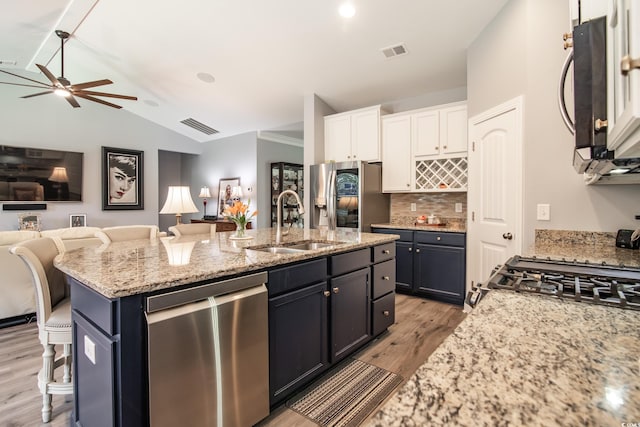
111,287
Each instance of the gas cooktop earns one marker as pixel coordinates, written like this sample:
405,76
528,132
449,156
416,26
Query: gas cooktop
603,284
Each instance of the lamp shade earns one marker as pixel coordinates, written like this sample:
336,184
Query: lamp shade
178,202
204,193
59,175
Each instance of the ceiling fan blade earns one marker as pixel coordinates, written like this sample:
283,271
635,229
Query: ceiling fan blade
37,94
81,86
91,98
71,100
50,76
20,84
110,95
26,78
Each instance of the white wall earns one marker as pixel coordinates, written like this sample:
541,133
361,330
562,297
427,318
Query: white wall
49,122
235,156
520,53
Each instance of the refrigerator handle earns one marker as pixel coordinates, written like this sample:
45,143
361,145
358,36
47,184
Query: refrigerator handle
331,200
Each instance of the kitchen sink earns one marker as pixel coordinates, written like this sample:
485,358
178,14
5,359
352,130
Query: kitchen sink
294,247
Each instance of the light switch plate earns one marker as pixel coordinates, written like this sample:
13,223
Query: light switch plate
544,212
90,349
413,207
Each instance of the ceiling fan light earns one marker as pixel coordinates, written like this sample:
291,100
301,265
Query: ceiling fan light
62,92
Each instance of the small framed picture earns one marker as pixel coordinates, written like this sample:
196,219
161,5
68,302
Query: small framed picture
29,221
78,220
226,187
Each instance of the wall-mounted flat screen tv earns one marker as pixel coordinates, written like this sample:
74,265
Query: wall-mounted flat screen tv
39,175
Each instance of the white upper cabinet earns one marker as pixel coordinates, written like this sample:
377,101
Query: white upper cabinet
623,78
425,150
396,153
440,132
354,135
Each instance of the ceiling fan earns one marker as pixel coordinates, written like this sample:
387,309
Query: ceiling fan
63,87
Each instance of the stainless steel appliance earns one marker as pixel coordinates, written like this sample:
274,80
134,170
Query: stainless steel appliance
209,354
592,156
347,195
612,285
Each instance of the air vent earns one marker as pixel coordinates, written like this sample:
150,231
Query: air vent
392,51
201,127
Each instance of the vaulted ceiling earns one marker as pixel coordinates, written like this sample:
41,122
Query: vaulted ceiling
243,65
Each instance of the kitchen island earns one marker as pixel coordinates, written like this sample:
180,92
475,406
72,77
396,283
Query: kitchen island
114,289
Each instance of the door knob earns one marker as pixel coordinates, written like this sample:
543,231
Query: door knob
507,236
336,290
327,293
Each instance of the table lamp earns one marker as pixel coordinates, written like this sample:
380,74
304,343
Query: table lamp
59,175
178,202
204,194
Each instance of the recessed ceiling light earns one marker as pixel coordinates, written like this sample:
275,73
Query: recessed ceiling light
347,10
206,77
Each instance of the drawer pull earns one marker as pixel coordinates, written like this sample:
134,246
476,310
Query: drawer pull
326,293
385,278
386,251
410,249
418,251
336,290
438,238
386,313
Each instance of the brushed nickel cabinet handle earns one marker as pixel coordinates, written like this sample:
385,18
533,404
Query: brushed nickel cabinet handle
418,251
444,147
627,64
385,278
386,313
438,238
326,293
410,249
386,251
336,290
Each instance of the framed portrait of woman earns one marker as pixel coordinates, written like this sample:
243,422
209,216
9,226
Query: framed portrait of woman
122,179
225,199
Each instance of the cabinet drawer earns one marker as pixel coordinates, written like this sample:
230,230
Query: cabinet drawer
296,276
435,238
384,252
350,261
99,309
384,278
384,313
405,235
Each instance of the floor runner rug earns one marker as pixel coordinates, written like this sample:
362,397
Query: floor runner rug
347,396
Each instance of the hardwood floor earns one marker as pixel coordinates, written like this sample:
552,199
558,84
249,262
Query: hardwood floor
421,325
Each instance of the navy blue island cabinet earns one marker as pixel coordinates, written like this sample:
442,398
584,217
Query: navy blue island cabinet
320,311
323,310
430,263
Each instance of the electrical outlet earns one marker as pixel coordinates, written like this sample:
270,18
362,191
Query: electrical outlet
90,349
458,207
413,207
544,212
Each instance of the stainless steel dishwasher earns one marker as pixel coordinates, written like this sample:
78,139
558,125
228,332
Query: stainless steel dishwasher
209,354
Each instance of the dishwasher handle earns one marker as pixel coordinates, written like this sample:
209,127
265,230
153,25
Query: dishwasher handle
200,292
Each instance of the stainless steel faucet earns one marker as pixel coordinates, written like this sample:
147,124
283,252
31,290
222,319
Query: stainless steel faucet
279,232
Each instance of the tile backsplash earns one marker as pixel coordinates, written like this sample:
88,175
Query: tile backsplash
441,205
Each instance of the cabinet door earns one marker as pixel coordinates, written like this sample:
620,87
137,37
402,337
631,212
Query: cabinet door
365,136
396,153
404,266
453,130
350,312
440,272
94,356
337,138
426,133
298,339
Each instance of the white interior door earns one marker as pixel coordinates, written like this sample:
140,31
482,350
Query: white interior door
494,231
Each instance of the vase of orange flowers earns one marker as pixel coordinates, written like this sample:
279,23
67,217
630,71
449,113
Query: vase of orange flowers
239,214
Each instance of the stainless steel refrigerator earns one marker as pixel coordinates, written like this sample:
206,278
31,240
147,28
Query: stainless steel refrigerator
347,195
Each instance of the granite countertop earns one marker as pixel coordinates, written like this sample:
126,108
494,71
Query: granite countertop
582,252
138,266
527,359
449,227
